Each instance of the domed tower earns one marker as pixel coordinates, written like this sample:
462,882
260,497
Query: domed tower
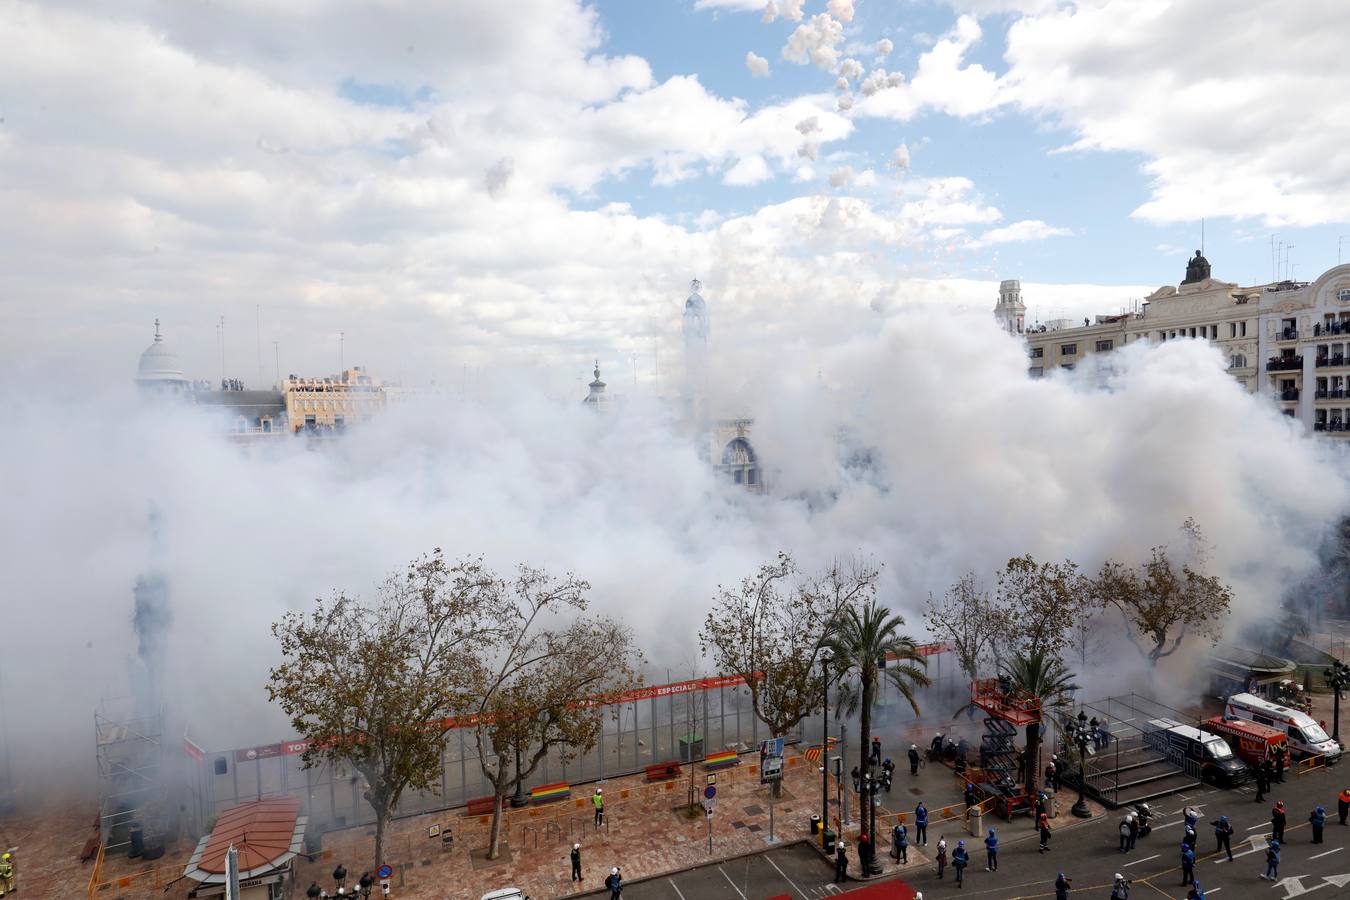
159,371
1010,311
696,329
598,398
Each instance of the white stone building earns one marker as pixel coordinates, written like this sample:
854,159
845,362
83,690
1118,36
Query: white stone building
1286,340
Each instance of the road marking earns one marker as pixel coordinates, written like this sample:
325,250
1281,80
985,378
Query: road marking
1213,891
732,883
676,887
785,878
1168,825
1145,859
1254,827
1328,853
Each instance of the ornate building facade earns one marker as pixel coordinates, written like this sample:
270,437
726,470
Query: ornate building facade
1287,340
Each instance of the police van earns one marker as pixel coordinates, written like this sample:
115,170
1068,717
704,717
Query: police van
1209,753
1305,736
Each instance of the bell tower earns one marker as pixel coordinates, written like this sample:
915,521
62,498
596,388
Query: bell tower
1010,311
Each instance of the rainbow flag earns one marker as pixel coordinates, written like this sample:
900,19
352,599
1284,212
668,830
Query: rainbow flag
546,793
813,752
719,760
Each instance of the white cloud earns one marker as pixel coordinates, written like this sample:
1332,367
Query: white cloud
899,158
844,102
749,170
788,9
880,80
841,84
809,151
841,177
950,200
850,68
943,81
840,9
1213,120
815,42
498,176
758,65
809,125
1018,232
884,48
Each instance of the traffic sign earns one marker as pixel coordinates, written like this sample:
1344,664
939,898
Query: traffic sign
712,778
384,871
710,792
708,806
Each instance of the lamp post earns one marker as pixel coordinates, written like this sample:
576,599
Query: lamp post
1078,733
870,786
825,659
1338,679
518,799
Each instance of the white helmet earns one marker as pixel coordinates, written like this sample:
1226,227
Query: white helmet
614,871
576,846
914,746
1119,877
597,790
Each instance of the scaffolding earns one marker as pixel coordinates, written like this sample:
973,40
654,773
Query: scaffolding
1008,709
130,752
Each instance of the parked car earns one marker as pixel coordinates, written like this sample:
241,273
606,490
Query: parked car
1252,742
1208,752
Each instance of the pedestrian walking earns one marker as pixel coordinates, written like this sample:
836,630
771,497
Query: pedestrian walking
875,758
1042,806
1134,830
1125,834
1272,860
941,856
1277,821
1052,777
1318,820
1043,824
1262,780
913,759
900,844
576,862
1120,888
921,824
1279,764
960,859
340,877
840,864
991,850
599,802
615,883
1343,804
1188,837
1187,864
1062,884
313,892
1223,836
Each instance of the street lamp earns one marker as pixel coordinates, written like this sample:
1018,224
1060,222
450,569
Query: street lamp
1338,679
518,799
825,659
1078,733
870,786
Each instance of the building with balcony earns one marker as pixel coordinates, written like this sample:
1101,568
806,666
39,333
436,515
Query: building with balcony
1286,340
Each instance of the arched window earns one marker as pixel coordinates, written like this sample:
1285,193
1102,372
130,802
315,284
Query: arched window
738,453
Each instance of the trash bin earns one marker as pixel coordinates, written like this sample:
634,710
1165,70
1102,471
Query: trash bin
815,824
830,837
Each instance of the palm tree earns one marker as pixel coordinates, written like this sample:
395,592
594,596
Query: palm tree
1046,678
861,643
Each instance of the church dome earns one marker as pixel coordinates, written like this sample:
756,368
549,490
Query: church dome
159,364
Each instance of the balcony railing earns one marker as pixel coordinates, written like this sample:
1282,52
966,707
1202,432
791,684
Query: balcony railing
1321,328
1329,394
1289,395
1319,426
1337,359
1284,363
1334,425
1288,334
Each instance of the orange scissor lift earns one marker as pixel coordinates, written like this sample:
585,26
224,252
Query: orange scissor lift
1008,710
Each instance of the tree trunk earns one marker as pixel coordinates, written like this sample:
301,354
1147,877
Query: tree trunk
381,820
1033,757
494,838
865,723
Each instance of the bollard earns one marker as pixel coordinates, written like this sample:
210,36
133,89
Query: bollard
815,824
976,818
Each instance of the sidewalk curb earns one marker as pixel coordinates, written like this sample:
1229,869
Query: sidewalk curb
781,845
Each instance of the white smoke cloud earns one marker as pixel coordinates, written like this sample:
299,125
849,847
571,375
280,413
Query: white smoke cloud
880,80
850,68
884,48
815,42
841,177
809,125
899,158
922,390
499,175
788,9
758,65
840,9
844,102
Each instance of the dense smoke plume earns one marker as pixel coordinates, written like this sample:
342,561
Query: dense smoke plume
917,439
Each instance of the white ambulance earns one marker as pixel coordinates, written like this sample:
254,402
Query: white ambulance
1305,736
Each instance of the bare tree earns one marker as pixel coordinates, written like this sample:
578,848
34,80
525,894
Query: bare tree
541,687
969,620
1040,602
1163,600
374,686
770,629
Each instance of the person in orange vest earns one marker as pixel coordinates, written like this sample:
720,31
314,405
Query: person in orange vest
1343,804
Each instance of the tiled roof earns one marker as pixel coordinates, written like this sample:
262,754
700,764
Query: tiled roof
266,833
